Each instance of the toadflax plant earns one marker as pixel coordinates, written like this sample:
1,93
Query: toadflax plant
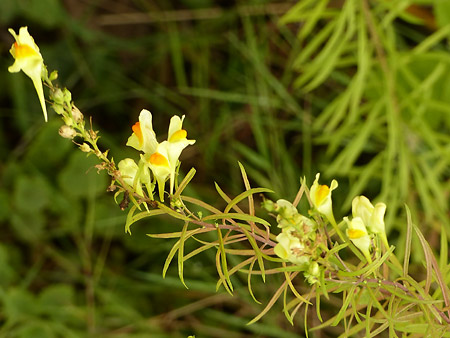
315,254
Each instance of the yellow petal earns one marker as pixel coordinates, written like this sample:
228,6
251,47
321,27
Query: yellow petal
355,233
322,193
23,51
178,135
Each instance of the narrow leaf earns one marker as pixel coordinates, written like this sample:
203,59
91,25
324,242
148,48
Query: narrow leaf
181,253
184,183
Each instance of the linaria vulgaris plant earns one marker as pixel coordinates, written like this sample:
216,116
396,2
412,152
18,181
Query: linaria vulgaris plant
318,256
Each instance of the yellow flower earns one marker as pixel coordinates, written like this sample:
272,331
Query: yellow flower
161,158
133,175
357,233
143,137
373,217
290,248
285,209
160,166
288,216
321,198
177,141
29,60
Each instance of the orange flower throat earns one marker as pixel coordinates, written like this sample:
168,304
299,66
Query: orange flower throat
23,51
158,159
138,132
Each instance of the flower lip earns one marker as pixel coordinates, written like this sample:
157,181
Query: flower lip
23,51
159,160
322,193
355,233
178,135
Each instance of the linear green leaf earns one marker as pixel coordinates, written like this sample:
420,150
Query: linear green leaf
184,182
245,194
232,215
181,253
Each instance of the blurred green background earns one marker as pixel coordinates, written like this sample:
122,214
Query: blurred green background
286,99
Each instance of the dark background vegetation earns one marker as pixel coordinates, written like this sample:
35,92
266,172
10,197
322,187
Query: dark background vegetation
67,269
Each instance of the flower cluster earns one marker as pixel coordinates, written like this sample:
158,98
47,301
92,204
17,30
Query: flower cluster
302,243
159,158
299,241
367,219
367,222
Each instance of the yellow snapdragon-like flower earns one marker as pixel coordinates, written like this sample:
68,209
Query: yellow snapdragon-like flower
372,216
143,137
321,198
177,141
290,248
288,216
357,233
133,175
29,60
160,166
161,158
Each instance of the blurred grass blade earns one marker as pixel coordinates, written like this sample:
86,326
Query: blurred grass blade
407,242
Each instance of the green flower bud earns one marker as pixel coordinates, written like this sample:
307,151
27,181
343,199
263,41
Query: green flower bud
268,205
313,273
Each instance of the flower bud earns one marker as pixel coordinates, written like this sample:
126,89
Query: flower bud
268,205
85,148
313,273
58,96
67,96
76,115
58,108
67,132
68,120
53,75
